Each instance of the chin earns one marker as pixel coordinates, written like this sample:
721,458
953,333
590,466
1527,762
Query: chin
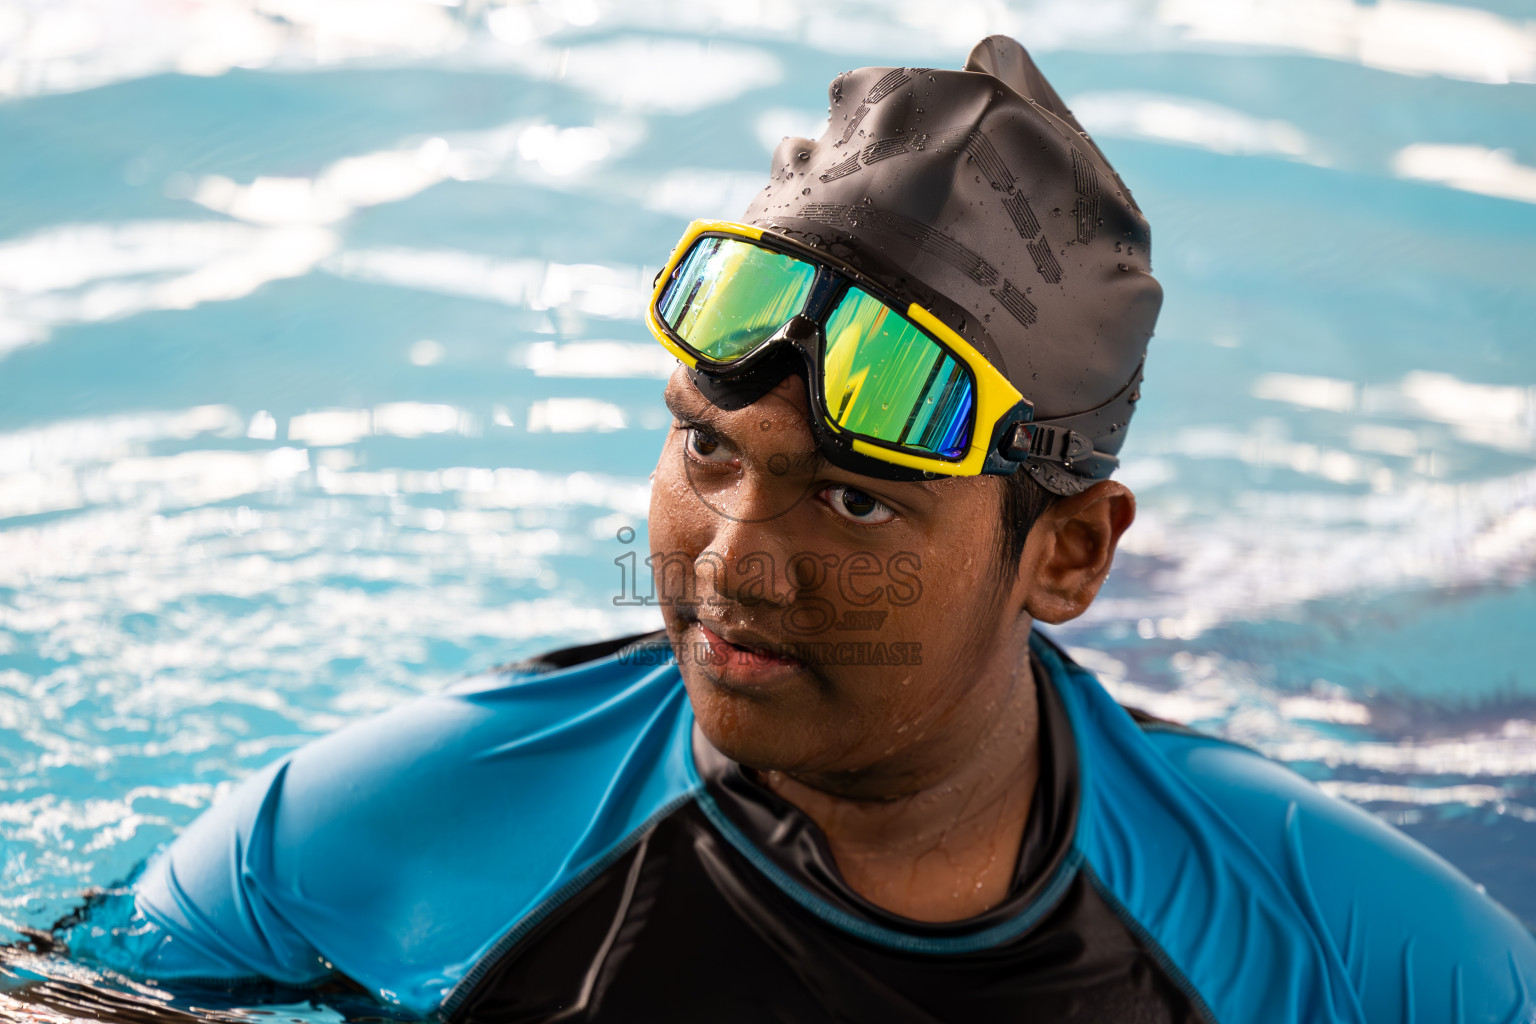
758,733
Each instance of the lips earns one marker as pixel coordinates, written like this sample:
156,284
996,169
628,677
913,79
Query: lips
742,660
744,639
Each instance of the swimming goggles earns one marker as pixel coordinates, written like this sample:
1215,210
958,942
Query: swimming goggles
894,392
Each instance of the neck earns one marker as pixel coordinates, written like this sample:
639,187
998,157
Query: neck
936,836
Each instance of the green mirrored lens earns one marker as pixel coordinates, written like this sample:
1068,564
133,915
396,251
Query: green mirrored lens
882,377
728,296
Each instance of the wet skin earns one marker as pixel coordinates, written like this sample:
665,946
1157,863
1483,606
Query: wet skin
919,772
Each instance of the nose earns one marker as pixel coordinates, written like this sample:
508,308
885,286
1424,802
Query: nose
745,564
752,524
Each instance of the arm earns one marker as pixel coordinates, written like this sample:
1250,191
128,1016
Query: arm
397,851
213,901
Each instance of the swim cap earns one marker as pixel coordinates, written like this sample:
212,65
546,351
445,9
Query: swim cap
977,195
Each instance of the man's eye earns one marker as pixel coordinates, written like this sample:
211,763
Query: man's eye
852,503
706,446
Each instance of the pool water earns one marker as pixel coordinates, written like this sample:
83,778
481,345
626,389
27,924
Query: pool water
323,380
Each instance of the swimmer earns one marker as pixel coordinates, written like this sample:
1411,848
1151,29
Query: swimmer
850,781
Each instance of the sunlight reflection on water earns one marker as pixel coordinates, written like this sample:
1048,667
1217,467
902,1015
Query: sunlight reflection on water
323,379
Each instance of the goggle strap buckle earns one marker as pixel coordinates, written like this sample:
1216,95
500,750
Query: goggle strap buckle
1042,442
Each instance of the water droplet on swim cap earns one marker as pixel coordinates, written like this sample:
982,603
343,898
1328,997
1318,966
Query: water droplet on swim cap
915,205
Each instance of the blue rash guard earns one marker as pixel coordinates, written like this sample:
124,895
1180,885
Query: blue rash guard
559,842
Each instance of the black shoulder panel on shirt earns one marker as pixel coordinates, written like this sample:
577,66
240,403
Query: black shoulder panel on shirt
567,657
1149,722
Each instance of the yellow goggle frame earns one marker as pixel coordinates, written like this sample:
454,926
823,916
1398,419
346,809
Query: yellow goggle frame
996,397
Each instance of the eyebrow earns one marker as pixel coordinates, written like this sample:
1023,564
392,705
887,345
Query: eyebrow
707,413
675,407
706,416
701,417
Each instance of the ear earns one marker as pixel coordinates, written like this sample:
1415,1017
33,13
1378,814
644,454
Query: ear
1070,548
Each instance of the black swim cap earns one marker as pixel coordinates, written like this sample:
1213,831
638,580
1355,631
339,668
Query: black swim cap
977,195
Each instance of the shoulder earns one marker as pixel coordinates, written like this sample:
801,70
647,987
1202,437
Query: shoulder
1265,892
1416,937
366,849
455,754
473,752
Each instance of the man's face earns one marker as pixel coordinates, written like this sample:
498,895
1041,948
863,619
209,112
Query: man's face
823,621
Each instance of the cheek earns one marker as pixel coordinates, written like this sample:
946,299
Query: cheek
961,600
660,511
680,525
950,612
